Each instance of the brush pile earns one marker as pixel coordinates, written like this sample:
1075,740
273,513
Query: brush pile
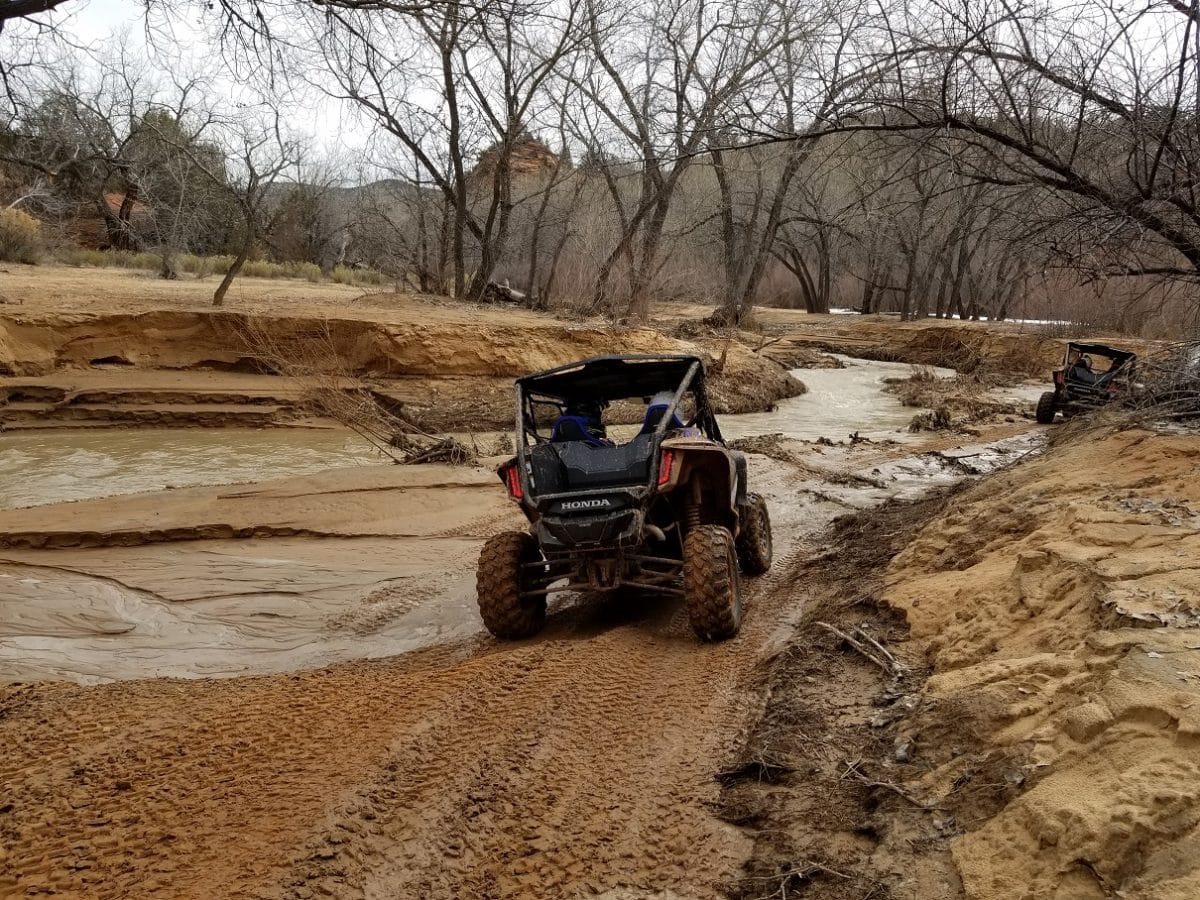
1169,383
950,403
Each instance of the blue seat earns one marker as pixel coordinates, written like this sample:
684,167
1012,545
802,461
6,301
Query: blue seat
576,428
654,415
577,465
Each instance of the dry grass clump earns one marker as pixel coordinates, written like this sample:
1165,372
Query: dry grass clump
204,266
938,419
20,237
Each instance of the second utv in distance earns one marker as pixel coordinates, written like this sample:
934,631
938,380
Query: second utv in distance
1080,383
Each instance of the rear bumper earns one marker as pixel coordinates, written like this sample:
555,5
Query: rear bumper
617,530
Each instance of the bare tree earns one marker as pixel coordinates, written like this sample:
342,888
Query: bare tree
486,67
310,219
264,154
1093,102
664,94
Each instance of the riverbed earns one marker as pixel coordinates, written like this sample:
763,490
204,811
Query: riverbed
56,465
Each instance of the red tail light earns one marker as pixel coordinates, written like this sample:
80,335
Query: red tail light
1060,376
512,480
664,467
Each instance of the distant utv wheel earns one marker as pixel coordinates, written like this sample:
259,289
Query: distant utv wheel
1045,409
499,582
710,581
754,537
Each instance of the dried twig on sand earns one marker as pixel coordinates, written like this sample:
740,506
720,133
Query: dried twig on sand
870,648
794,879
852,771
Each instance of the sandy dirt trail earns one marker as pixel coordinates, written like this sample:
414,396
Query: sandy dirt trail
578,762
562,765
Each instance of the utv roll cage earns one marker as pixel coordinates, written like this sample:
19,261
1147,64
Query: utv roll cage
602,380
1098,384
1076,349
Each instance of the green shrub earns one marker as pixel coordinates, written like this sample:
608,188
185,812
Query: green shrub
20,237
203,266
78,256
262,268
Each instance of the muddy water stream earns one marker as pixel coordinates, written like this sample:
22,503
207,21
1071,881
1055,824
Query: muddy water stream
51,466
839,402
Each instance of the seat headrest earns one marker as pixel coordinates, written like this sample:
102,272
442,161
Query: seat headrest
575,428
654,415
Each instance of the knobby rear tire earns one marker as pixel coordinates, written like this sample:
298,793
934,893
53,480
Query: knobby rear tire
754,550
499,581
1045,409
711,584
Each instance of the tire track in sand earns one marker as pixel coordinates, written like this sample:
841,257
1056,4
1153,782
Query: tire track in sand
582,762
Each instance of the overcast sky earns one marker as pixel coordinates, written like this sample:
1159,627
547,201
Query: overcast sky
91,22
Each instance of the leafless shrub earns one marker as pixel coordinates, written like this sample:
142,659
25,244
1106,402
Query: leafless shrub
20,237
1168,384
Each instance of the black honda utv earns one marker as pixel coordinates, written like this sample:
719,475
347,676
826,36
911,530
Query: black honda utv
1081,384
662,509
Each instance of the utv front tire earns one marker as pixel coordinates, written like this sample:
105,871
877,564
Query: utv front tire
499,580
1045,409
710,582
754,537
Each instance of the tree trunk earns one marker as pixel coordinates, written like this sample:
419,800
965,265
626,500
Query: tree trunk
234,268
825,275
125,219
732,255
868,293
454,145
909,280
638,308
444,246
